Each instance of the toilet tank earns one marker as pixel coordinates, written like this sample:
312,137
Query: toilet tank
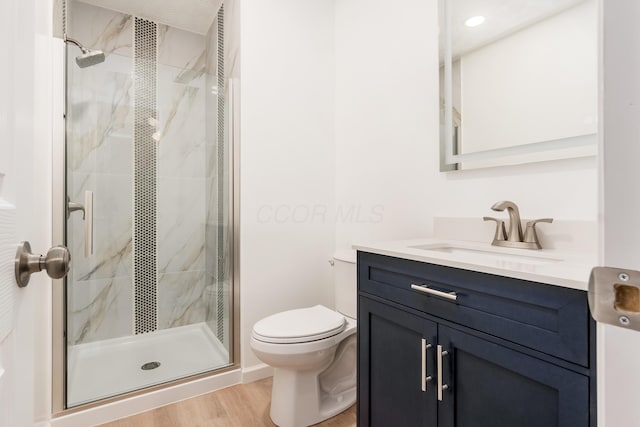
345,282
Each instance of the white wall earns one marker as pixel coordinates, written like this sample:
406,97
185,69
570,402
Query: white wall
563,189
386,118
287,158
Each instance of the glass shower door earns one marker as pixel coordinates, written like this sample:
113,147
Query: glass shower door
148,208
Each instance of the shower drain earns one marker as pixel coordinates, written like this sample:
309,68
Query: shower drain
150,365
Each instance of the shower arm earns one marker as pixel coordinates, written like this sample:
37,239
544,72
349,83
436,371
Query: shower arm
76,43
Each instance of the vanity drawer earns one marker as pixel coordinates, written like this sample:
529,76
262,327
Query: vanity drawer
550,319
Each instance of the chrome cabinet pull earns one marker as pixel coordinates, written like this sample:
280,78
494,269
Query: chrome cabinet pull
423,288
424,379
441,386
88,223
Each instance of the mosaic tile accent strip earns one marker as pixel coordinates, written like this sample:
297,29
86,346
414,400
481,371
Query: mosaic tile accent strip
145,160
222,253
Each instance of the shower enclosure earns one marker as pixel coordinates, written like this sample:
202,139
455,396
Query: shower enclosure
148,201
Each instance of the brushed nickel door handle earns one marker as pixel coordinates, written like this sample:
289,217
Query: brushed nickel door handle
87,216
88,223
73,207
56,263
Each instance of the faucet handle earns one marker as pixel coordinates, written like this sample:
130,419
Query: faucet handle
501,231
530,234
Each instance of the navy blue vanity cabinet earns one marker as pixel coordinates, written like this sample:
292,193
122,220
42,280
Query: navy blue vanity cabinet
491,385
391,390
509,352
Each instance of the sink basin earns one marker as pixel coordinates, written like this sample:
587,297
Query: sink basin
487,256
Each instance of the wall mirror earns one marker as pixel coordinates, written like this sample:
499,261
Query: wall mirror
518,81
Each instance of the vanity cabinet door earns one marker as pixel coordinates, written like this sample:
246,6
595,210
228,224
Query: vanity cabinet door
390,367
490,385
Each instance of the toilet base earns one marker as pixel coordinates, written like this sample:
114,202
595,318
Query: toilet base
297,400
304,398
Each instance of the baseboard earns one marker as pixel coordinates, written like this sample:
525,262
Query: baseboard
145,402
256,372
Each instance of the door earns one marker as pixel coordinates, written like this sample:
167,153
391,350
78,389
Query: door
147,185
25,140
618,348
393,359
491,385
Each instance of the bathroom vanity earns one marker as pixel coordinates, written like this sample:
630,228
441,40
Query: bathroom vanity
449,337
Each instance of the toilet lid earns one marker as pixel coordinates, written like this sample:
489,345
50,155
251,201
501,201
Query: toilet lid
300,325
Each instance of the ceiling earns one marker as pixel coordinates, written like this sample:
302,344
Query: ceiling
502,17
191,15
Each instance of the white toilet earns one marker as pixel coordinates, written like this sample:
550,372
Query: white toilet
313,353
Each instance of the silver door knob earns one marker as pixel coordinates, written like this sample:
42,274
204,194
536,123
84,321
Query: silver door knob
56,263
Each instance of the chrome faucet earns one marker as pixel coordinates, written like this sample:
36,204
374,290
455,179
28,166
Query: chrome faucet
515,238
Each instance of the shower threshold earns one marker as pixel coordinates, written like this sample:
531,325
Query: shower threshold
111,367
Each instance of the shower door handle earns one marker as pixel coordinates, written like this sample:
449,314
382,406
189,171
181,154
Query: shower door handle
88,223
72,207
87,216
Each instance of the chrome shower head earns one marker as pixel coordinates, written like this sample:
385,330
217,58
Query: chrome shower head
89,57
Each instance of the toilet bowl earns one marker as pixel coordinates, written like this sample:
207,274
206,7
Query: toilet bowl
313,353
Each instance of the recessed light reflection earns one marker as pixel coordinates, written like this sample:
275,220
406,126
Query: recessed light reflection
474,21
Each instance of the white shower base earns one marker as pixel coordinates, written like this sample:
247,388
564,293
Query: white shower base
107,368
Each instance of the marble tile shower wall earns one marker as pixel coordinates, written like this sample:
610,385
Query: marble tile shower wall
99,135
181,178
99,158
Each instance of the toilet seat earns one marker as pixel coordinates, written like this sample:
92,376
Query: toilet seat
299,326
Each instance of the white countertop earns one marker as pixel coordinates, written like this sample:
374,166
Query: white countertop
550,266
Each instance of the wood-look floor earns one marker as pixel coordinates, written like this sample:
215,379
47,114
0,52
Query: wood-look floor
244,405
